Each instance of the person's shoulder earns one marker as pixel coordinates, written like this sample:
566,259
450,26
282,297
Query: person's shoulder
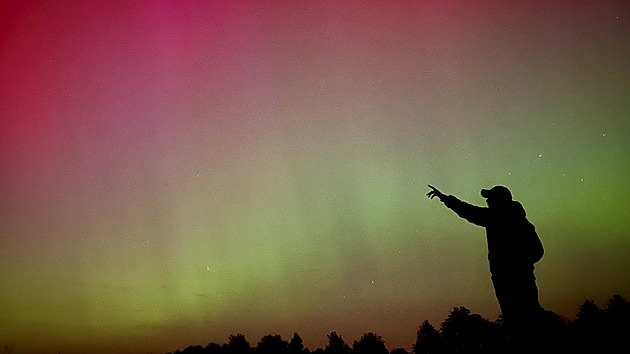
518,208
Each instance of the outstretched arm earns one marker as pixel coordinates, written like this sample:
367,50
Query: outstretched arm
474,214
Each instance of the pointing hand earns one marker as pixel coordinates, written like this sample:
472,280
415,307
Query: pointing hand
435,193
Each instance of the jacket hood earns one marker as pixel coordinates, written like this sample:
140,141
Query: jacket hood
512,209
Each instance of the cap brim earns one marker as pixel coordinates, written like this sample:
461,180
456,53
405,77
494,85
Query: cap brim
485,193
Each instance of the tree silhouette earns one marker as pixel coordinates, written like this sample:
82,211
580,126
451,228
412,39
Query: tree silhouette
427,340
196,349
370,343
463,332
272,345
213,348
296,346
336,345
595,330
237,345
617,311
588,327
589,313
617,315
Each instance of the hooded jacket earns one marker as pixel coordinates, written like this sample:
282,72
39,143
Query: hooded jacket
513,244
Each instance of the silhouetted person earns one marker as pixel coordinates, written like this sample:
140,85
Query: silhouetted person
513,248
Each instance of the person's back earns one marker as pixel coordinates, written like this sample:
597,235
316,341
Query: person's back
512,241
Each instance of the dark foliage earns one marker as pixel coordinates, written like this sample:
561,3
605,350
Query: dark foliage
463,332
197,349
272,345
336,345
399,351
296,346
598,330
427,339
370,343
595,330
213,348
237,345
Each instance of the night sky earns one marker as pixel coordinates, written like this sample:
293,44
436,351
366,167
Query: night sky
173,172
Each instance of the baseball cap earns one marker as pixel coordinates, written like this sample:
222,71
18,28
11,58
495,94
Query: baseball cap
497,192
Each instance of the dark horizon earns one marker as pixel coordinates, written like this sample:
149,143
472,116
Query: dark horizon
596,329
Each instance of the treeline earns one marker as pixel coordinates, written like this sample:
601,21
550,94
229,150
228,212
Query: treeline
595,330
